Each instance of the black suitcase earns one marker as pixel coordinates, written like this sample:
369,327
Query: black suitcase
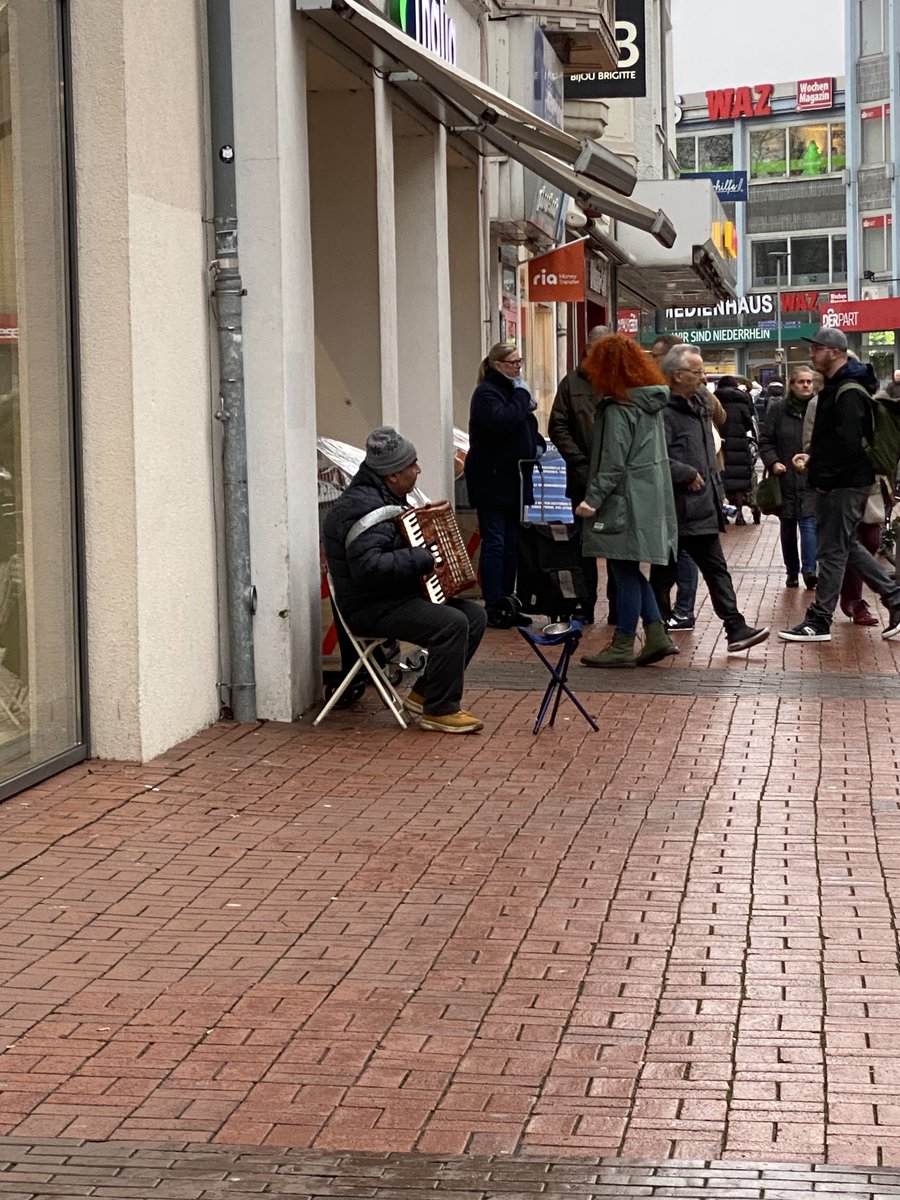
550,579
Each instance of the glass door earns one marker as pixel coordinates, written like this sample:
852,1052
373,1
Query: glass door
41,717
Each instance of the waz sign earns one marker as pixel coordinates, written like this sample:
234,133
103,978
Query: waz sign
428,23
727,104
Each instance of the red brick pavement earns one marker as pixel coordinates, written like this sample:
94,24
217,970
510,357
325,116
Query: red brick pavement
676,939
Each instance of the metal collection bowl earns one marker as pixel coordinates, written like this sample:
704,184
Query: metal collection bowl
556,628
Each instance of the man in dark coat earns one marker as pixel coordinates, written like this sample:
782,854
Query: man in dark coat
698,497
842,474
571,430
377,581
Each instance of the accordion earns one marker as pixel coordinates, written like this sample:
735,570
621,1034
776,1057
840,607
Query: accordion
434,528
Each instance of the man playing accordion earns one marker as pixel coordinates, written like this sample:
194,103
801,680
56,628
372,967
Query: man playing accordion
377,578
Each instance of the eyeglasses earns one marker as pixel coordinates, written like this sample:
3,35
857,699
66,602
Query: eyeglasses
692,370
512,362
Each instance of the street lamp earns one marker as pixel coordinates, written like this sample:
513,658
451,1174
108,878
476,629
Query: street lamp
779,256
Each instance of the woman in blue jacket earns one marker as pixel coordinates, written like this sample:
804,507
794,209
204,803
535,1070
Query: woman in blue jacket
502,431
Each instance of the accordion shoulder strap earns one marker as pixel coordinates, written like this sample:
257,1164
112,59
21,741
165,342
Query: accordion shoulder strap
387,512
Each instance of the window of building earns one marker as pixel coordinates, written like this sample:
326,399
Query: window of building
706,152
812,260
715,153
686,150
803,150
873,26
876,243
874,121
40,711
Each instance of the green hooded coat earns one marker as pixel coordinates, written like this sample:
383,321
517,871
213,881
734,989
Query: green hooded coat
629,482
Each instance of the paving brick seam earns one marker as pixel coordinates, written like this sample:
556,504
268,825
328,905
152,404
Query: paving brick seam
67,1169
691,681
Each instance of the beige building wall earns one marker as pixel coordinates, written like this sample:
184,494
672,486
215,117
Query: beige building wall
140,160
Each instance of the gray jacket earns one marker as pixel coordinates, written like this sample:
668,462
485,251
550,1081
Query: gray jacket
691,451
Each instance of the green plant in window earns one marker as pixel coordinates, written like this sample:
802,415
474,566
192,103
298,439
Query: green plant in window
812,162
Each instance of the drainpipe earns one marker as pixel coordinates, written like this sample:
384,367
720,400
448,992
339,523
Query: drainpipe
227,293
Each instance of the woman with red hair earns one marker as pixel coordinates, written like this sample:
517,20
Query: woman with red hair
629,509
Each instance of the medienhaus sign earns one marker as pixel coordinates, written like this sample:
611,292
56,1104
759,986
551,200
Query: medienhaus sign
630,75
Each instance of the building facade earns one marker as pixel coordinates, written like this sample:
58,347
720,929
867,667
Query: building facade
777,153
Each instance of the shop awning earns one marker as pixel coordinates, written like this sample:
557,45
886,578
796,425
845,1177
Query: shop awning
485,118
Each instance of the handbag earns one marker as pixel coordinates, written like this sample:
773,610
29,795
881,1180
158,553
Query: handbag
768,495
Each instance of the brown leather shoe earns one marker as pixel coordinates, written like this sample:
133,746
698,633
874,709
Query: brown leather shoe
863,615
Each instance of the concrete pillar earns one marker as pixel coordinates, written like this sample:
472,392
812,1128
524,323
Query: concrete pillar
270,71
467,291
423,283
345,249
387,251
140,161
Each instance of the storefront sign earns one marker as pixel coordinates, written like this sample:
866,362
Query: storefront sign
630,75
837,297
547,209
728,185
628,321
759,304
879,222
598,277
876,112
428,23
727,104
9,329
764,332
815,93
862,316
559,275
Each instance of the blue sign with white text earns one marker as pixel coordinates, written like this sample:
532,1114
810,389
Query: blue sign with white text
729,185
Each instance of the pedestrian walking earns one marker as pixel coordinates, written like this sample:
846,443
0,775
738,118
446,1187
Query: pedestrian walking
628,507
698,497
842,473
780,440
739,428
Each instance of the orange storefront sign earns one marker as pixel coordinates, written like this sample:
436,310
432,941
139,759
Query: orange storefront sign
558,275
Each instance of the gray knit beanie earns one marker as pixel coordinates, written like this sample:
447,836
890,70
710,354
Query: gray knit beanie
387,452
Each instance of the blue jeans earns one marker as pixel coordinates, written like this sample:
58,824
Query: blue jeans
634,596
806,526
838,513
687,577
499,528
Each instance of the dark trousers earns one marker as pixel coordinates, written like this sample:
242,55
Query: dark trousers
838,513
499,529
706,551
851,589
449,632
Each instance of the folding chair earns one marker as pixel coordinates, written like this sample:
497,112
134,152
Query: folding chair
364,648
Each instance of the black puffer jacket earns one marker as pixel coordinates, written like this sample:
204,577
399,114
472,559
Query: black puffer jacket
737,454
502,431
780,438
691,450
837,455
378,565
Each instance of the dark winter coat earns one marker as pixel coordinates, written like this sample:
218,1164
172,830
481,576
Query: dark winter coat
379,564
691,451
571,429
780,438
736,450
842,429
502,431
630,485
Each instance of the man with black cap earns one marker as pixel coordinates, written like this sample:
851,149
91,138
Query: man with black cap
377,581
842,475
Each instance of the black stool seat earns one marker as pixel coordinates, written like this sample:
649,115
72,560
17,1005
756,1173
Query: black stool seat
566,635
